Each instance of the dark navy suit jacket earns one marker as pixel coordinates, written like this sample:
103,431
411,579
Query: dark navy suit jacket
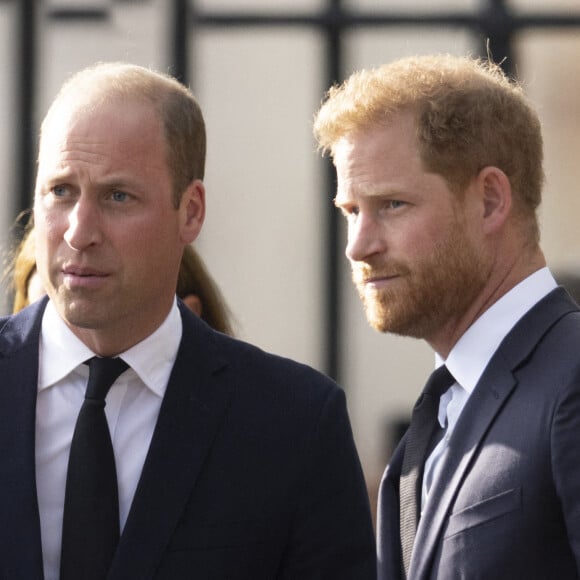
252,472
506,505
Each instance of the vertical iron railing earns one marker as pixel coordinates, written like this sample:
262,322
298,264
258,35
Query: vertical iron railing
25,105
494,27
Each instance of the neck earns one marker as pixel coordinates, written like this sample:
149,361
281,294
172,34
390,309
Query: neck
500,282
111,342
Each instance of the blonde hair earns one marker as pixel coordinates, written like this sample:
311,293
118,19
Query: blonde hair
194,279
469,116
22,269
178,110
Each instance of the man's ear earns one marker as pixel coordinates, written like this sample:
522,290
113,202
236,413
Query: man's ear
496,195
193,302
192,211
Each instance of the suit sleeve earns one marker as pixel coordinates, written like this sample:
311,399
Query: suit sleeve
566,461
332,536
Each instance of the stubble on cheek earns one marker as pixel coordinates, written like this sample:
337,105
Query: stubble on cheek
425,298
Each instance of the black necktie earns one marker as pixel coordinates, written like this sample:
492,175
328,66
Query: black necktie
421,430
90,530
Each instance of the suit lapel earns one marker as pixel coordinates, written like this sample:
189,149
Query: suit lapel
190,416
20,530
486,401
484,404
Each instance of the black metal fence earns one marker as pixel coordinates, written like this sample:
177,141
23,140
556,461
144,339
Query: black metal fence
494,27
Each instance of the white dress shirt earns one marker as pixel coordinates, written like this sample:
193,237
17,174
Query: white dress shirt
472,353
132,408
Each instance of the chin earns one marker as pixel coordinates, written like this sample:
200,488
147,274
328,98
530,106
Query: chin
77,314
380,321
392,321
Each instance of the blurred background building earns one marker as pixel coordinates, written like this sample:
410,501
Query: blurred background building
272,240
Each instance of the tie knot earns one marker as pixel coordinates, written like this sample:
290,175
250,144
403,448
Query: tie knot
103,372
439,381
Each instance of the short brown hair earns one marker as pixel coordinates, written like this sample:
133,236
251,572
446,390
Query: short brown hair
178,110
469,116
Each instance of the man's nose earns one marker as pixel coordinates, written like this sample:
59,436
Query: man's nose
84,225
365,238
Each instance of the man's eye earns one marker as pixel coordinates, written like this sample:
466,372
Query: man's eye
59,190
395,203
118,196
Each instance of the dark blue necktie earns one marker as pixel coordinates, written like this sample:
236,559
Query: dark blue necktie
90,532
421,430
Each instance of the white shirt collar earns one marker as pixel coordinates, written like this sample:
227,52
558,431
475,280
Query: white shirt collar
152,359
473,351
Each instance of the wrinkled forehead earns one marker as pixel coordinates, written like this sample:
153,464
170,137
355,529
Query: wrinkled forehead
86,111
107,132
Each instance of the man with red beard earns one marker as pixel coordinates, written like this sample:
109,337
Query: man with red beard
439,176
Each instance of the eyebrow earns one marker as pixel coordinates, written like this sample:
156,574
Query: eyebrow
374,191
112,182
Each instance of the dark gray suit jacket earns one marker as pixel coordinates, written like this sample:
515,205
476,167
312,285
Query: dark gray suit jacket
252,471
506,505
